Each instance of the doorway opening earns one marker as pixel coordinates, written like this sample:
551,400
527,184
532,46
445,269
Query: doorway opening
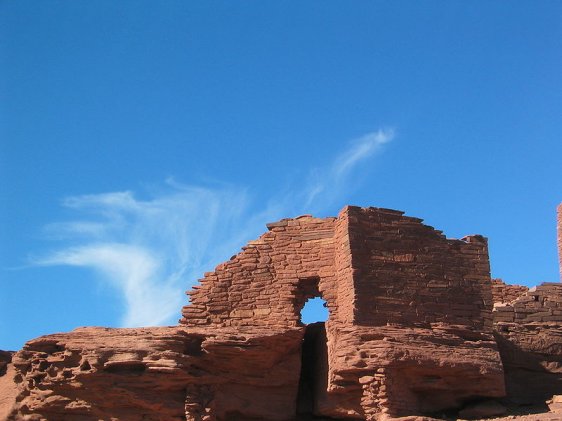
313,382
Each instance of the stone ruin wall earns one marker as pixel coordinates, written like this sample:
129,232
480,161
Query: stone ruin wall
372,266
391,270
268,283
520,304
542,303
409,332
409,273
505,293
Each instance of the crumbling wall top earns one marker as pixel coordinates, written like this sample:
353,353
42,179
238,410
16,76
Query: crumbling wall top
269,281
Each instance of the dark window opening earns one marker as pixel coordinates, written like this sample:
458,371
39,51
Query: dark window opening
193,345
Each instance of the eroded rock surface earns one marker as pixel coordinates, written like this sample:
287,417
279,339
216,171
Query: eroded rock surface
5,359
8,390
416,330
158,374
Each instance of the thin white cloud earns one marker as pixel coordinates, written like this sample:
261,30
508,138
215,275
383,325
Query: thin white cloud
133,270
328,185
361,149
76,228
150,250
153,249
116,200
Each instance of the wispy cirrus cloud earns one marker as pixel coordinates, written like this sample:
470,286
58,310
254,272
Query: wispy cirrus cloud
328,184
149,250
134,271
152,249
361,149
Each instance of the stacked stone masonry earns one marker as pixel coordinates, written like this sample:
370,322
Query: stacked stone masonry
505,293
416,327
372,266
409,273
268,283
542,303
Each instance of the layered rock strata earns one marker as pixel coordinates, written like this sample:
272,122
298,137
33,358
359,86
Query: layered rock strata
412,330
159,374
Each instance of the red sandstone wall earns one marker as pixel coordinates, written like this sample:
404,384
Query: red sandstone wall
409,273
504,293
384,276
270,280
372,266
344,270
539,304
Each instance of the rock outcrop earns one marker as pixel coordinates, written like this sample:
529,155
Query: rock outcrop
416,327
159,374
8,391
5,359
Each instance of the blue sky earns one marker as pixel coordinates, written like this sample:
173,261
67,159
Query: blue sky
142,143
